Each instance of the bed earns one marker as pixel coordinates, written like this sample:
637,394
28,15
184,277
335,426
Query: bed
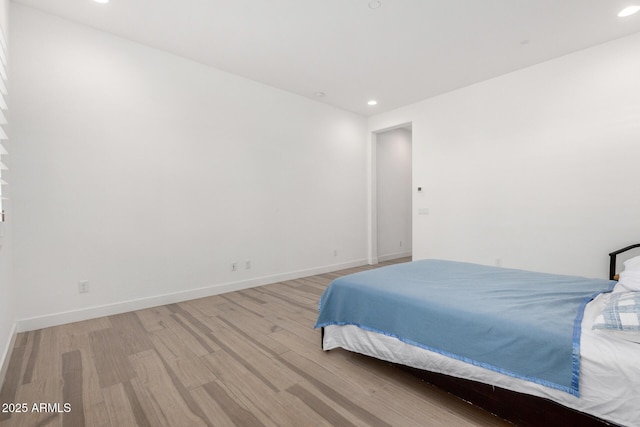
524,345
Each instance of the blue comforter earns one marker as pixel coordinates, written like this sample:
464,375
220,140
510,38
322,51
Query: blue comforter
519,323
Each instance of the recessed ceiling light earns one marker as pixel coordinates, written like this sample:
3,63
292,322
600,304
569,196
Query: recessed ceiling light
373,102
374,4
628,11
102,1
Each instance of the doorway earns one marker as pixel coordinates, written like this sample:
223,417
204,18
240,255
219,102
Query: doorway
393,195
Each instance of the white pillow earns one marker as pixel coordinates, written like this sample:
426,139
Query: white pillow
620,316
621,312
619,288
633,336
629,280
632,264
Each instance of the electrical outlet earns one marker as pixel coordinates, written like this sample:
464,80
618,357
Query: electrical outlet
83,286
234,266
335,252
498,262
247,264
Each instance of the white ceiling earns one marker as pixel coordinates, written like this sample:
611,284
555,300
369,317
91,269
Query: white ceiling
402,52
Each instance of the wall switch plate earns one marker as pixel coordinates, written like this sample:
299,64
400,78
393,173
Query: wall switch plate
234,266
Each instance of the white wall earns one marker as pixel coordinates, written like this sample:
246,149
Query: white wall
7,298
393,182
148,175
538,167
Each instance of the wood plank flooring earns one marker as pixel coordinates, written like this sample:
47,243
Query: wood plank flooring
246,358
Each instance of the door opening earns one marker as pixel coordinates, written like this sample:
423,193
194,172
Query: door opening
393,195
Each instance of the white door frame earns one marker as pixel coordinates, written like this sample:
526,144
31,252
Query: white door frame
372,223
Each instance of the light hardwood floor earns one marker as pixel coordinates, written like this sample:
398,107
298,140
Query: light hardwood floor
246,358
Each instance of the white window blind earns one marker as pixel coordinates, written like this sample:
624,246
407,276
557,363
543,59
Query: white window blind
3,122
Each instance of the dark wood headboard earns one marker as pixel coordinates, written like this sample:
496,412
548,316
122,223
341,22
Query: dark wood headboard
612,259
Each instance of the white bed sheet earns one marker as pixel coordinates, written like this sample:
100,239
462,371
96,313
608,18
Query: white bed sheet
609,368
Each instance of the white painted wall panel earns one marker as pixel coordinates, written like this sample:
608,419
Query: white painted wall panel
148,175
537,167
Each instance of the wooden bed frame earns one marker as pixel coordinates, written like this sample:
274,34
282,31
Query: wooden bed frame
521,409
518,408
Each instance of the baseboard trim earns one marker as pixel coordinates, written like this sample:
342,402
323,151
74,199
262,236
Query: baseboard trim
6,355
61,318
397,255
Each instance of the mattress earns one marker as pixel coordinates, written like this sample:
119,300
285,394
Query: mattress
609,368
521,323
